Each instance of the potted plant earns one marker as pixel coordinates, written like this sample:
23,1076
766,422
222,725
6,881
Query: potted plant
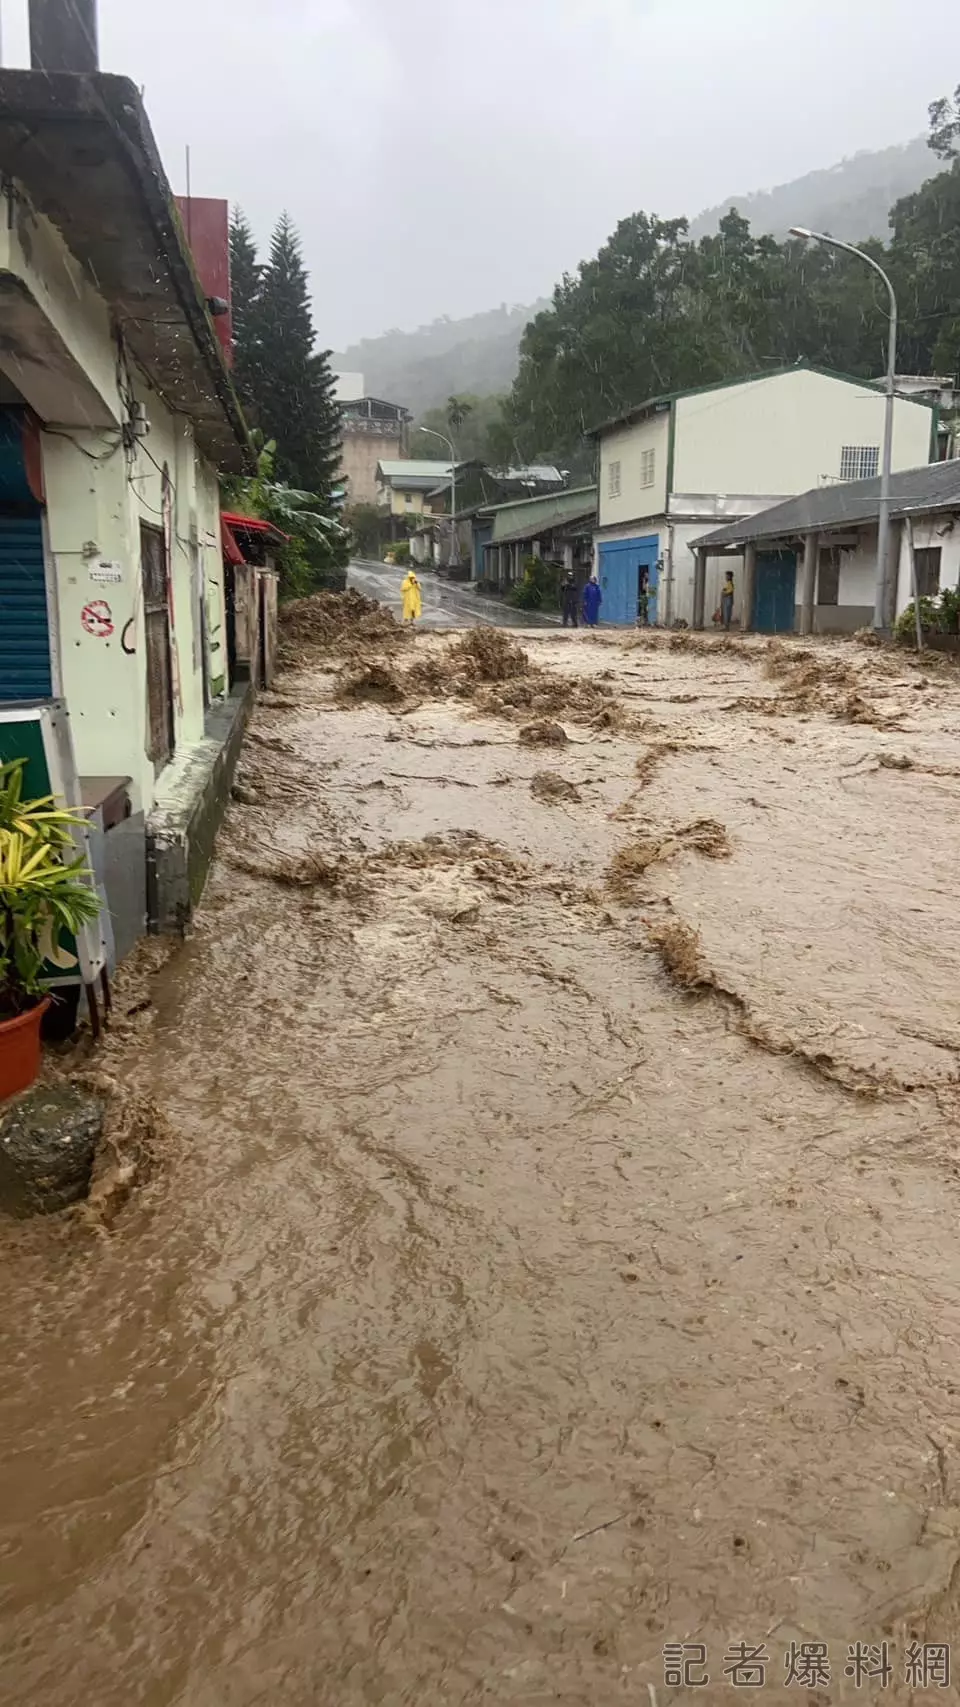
43,892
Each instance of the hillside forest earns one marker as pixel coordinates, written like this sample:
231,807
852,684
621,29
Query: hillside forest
658,310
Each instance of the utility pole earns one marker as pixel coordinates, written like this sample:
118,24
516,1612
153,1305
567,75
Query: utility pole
454,556
885,593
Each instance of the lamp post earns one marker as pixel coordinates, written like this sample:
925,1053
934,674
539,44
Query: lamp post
883,513
453,489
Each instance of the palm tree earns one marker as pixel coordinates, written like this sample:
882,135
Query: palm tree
458,409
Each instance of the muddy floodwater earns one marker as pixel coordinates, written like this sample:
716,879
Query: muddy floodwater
553,1251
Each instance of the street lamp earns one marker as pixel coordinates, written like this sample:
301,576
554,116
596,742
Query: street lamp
453,487
883,514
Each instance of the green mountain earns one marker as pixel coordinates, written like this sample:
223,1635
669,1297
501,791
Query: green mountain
851,200
478,355
422,369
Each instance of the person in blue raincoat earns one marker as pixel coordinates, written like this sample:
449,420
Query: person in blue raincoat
592,600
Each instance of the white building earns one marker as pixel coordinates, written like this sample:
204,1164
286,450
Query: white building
811,563
677,464
117,416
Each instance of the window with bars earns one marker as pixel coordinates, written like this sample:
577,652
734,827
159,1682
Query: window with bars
613,480
648,463
859,462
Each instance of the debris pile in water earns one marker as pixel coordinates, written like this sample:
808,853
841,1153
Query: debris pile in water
704,836
687,640
679,949
297,870
549,695
346,623
488,655
485,666
544,733
371,680
553,790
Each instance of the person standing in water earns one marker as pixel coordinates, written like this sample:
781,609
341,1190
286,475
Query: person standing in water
726,600
569,600
410,594
643,598
592,600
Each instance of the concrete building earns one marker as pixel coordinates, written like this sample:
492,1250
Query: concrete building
116,416
404,487
556,527
373,432
676,464
811,564
480,490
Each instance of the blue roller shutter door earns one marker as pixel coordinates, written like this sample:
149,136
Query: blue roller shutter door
24,619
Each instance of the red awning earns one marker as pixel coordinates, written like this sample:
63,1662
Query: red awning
231,549
231,525
252,524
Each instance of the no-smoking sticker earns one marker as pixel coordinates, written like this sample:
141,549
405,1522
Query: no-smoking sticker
97,619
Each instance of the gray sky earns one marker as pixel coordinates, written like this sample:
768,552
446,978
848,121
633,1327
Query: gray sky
443,156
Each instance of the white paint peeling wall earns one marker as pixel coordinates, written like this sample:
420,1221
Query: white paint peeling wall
102,503
97,495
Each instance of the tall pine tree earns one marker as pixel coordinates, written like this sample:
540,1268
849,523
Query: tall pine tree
292,383
245,277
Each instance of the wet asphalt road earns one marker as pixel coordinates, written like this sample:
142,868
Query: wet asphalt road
445,604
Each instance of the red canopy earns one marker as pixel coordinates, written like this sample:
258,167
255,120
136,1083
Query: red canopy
231,524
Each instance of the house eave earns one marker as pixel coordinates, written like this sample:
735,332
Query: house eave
81,148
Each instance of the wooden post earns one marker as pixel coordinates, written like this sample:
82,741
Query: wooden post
748,591
912,549
809,584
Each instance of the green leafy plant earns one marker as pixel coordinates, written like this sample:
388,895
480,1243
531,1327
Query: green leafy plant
950,610
937,616
540,587
316,544
43,892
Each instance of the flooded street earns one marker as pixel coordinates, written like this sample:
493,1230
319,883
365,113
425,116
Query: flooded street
552,1252
446,604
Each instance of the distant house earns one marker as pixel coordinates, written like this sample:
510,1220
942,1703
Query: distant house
479,490
677,464
811,563
372,431
404,487
557,527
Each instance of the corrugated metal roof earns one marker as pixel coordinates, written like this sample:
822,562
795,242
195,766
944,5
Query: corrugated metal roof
528,517
936,486
541,471
411,469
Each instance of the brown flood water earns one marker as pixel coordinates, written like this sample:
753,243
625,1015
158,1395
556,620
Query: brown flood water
500,1311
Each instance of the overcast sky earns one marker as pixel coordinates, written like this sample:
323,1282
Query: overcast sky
443,156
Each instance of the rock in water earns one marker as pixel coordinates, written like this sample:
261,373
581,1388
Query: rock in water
48,1139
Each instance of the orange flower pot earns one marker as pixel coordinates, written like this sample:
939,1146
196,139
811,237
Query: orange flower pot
20,1050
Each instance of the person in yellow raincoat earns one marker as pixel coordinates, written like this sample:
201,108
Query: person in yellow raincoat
410,593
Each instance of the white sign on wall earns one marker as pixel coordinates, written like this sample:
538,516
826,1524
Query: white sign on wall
103,569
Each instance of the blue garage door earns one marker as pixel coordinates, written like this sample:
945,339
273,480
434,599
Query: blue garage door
775,600
620,563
